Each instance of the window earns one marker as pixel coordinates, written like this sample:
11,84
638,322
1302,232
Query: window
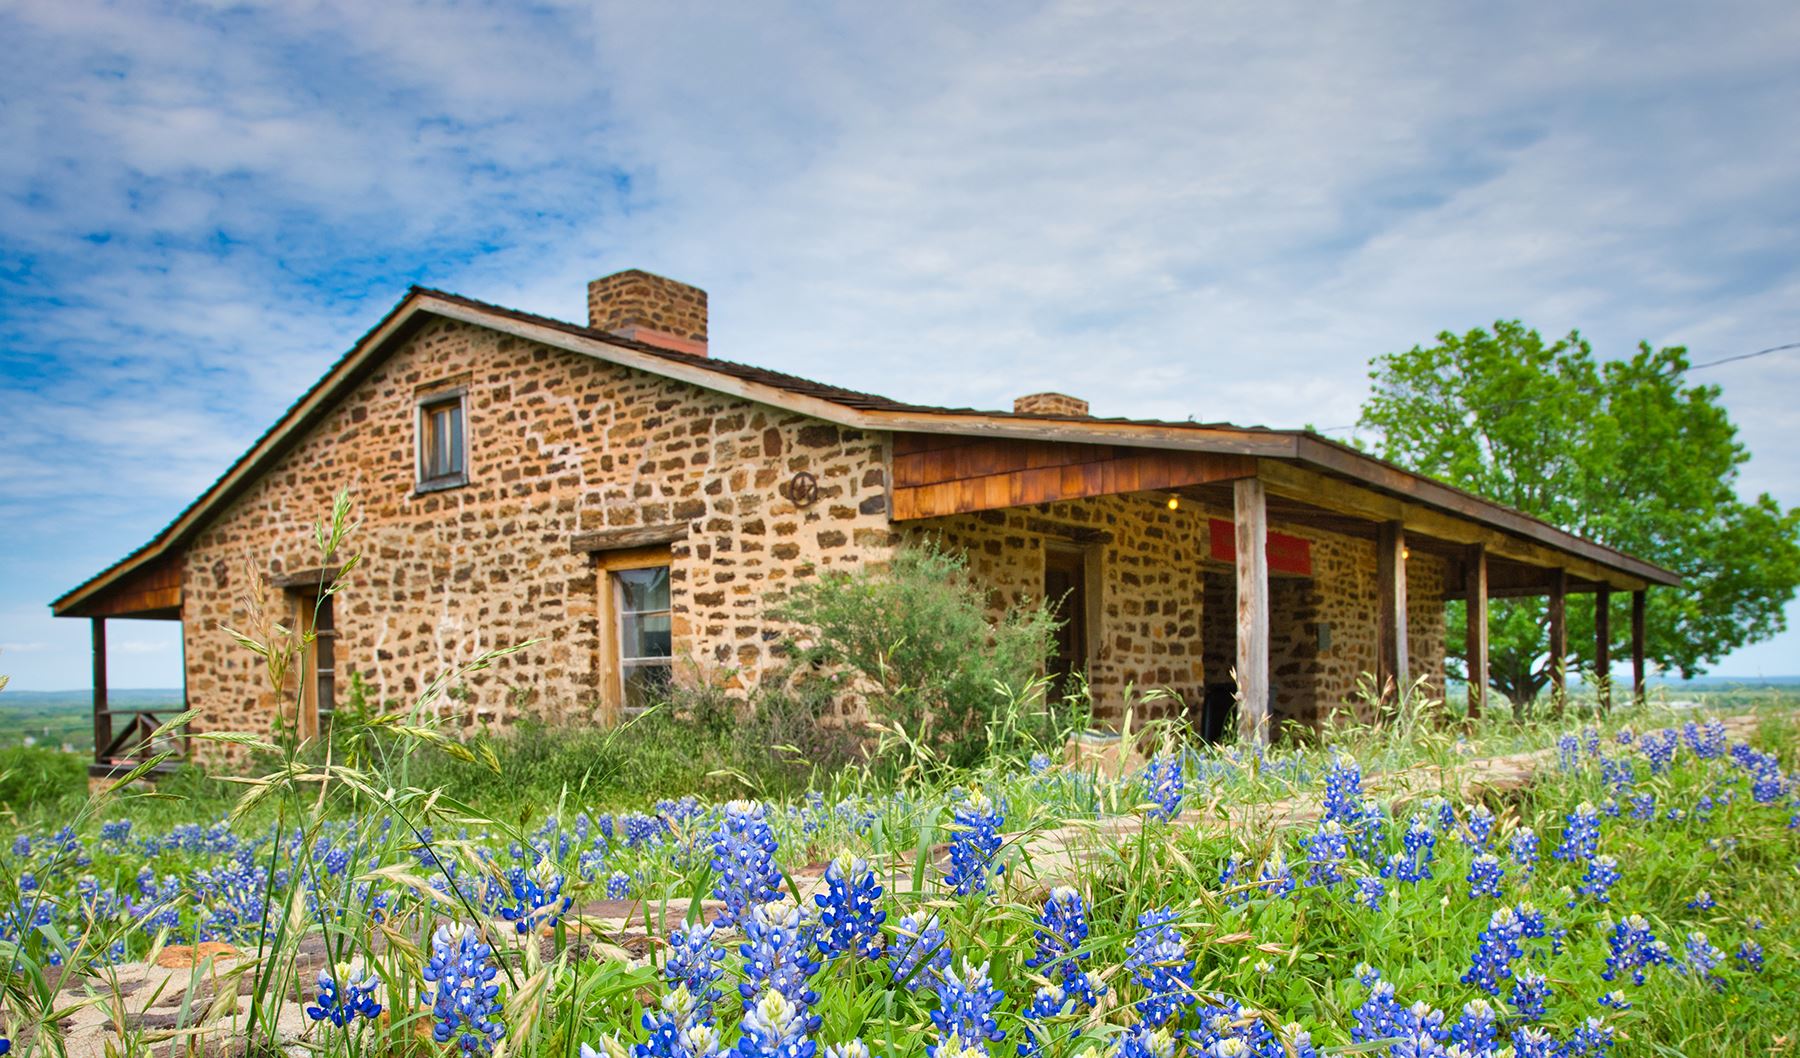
443,444
318,672
641,601
1066,592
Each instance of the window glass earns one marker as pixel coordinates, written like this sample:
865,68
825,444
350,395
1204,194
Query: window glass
441,441
646,642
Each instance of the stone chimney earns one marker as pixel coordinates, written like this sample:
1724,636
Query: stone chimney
1050,404
648,308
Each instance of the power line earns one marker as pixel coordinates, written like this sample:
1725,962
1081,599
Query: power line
1690,367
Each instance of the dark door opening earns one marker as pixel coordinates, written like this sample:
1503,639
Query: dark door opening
1065,589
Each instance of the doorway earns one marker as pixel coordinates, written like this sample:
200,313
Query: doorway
1066,592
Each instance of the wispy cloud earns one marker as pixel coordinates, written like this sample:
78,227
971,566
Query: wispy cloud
1220,212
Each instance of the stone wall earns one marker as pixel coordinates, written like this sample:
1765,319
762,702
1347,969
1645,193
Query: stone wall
1169,613
559,444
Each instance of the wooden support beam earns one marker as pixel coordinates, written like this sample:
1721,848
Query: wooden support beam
1638,687
1476,636
1334,494
102,717
1559,638
1390,606
1603,646
1250,507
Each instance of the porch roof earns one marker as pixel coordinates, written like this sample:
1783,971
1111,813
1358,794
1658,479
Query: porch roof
1407,494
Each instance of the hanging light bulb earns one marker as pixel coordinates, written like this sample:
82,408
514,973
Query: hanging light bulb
1174,503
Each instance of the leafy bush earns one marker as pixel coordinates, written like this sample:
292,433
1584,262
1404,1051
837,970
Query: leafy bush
919,641
33,777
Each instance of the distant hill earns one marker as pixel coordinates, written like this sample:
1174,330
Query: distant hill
58,718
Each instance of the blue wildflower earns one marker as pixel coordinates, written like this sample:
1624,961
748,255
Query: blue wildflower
974,844
346,993
466,1002
1485,876
1581,837
1158,961
965,1013
919,953
744,855
849,920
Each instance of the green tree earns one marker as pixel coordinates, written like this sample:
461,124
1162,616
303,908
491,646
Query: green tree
1625,452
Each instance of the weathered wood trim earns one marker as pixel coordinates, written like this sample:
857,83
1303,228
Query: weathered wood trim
1343,497
102,712
624,539
1639,686
1603,646
315,578
1079,534
933,478
1250,511
1393,664
1559,636
1476,634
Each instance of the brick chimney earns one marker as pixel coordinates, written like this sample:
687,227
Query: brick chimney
648,308
1050,404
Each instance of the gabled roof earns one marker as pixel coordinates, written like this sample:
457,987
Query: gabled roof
845,407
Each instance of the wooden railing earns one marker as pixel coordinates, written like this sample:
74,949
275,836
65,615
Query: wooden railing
117,750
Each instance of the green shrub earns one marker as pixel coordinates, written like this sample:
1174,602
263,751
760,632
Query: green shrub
38,777
920,642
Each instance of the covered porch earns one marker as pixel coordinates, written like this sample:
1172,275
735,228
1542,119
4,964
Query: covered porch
123,736
1237,577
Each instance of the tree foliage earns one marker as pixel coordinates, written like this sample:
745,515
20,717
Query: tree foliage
1625,452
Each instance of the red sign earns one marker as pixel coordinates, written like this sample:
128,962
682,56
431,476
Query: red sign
1287,554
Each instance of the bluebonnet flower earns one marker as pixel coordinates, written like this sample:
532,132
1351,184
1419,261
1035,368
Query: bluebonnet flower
694,963
346,993
1643,807
466,1002
1533,1041
1658,748
1158,961
852,1048
1592,1038
676,1029
538,895
1477,1028
1276,878
1602,873
777,951
849,920
618,886
1581,837
1419,841
1144,1040
1343,790
1568,752
776,1027
973,846
1702,901
1615,1000
1702,958
1228,879
1062,928
1524,848
1485,876
1632,947
1039,763
917,943
1530,994
1163,785
1326,850
965,1013
1370,891
744,855
1478,829
1749,957
1497,946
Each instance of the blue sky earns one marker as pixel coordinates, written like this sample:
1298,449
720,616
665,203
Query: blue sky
1219,212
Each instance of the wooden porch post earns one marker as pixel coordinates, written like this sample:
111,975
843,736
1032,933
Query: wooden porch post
1251,511
102,718
1559,637
1637,645
1476,635
1603,645
1390,589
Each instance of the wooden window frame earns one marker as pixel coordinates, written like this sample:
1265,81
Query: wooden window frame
425,404
611,661
317,697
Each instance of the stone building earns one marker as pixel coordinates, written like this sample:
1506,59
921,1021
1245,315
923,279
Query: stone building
630,502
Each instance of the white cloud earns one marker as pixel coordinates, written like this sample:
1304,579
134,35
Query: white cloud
1220,211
